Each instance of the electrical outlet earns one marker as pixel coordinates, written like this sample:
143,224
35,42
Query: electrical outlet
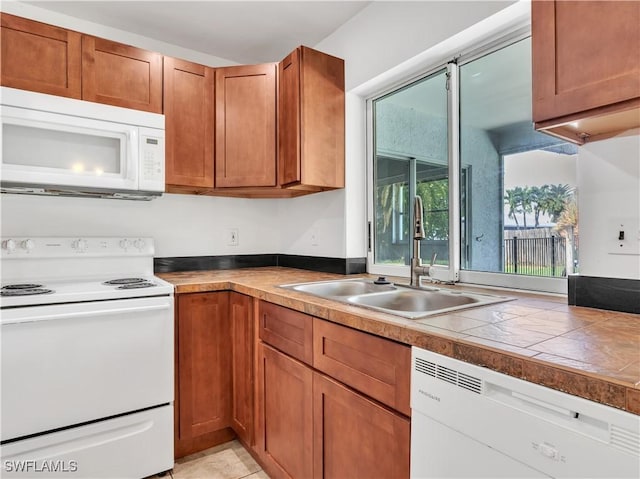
233,238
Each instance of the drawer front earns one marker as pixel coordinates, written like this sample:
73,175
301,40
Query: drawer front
374,366
287,330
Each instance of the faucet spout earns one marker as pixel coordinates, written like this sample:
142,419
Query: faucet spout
418,215
417,270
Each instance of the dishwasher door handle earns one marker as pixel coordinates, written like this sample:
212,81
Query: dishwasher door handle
546,405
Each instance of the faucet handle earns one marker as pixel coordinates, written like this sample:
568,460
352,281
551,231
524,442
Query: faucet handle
433,258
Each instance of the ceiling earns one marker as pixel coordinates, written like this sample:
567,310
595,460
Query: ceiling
241,31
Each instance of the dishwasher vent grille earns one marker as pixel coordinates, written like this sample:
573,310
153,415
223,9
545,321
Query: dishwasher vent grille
451,376
625,440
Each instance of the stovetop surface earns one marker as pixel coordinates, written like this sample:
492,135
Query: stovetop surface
52,270
81,290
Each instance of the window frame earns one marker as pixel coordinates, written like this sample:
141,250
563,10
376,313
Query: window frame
501,37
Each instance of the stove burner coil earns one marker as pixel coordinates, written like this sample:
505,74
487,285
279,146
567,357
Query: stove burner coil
20,286
24,292
125,281
145,284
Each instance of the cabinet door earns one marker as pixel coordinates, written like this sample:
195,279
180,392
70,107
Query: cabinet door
355,437
204,363
40,57
311,120
246,126
188,109
121,75
585,55
285,418
289,119
242,343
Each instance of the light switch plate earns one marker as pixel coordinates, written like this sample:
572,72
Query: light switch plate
631,243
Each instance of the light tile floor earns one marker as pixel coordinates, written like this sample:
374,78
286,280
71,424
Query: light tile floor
226,461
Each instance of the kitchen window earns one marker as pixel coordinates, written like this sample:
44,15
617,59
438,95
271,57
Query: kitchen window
499,198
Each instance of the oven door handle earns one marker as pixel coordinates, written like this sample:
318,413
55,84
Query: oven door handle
85,314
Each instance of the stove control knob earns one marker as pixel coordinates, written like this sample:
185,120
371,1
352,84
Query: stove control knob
80,245
125,243
9,245
28,245
139,243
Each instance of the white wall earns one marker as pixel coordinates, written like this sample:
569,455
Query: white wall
313,224
609,193
386,34
182,225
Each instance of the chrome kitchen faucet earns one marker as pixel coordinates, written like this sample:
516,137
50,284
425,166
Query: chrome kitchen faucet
417,269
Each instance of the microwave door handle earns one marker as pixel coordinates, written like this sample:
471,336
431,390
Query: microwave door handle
131,162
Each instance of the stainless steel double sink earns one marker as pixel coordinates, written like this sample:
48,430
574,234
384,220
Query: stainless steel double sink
405,301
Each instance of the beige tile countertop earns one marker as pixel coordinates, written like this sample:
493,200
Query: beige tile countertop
587,352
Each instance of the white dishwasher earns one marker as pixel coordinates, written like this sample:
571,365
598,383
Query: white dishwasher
469,421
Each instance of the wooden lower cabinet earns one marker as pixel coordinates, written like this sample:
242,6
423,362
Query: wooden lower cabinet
298,422
203,371
284,439
242,345
367,363
311,425
355,437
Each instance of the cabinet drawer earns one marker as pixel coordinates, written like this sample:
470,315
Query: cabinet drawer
287,330
374,366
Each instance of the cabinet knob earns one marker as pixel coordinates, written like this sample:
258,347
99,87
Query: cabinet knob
9,245
28,244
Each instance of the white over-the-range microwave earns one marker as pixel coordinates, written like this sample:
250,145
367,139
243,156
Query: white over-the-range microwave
64,146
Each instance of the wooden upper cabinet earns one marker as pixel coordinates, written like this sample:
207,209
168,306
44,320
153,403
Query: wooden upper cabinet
189,123
586,67
121,75
246,126
40,57
311,120
289,119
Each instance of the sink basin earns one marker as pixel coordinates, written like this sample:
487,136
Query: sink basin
349,287
415,304
412,303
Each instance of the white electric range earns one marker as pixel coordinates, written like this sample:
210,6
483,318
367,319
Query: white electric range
86,359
